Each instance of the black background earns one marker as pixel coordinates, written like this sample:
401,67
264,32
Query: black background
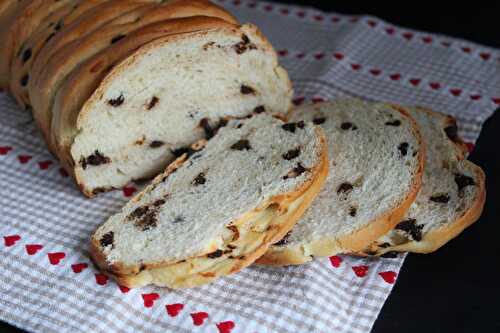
456,289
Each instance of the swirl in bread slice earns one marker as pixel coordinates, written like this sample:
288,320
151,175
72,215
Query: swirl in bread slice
218,211
452,194
376,162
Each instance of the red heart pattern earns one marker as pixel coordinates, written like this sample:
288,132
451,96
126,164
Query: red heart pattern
335,261
23,159
4,150
298,100
124,289
11,240
199,318
149,299
407,35
435,85
360,271
496,100
316,100
284,11
335,19
301,14
338,56
128,191
456,92
375,71
282,53
356,67
318,18
101,279
44,165
174,309
415,82
32,249
390,31
470,146
475,97
466,49
225,326
56,257
389,276
78,268
395,77
427,40
371,23
319,56
485,56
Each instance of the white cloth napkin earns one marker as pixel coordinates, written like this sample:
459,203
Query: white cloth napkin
47,283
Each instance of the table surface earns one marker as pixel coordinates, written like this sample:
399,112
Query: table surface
454,289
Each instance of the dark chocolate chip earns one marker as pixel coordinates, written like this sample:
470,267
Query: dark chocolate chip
209,131
295,172
58,26
390,254
148,221
410,226
216,254
284,240
290,127
156,144
440,198
245,39
385,245
353,211
463,181
200,179
247,90
259,109
241,145
107,239
159,202
183,150
117,101
24,80
452,133
319,121
291,154
301,124
152,103
98,190
344,188
95,159
403,148
27,54
117,38
346,125
232,247
138,212
393,123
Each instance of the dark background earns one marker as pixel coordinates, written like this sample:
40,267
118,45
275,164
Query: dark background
455,289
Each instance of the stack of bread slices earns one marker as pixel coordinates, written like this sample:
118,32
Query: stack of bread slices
179,91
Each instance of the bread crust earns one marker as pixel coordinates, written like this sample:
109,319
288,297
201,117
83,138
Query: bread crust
359,239
136,276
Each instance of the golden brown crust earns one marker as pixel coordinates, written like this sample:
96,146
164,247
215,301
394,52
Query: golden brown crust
358,240
151,272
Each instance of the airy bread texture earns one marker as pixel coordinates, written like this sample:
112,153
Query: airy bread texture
376,162
168,94
452,194
216,212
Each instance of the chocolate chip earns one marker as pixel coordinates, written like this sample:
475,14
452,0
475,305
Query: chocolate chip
452,132
244,45
183,150
259,109
291,154
95,159
384,245
156,144
152,103
232,247
290,127
27,55
393,123
463,181
117,38
246,90
390,254
58,26
98,190
245,39
207,45
353,211
440,198
241,145
138,212
107,239
284,240
216,254
346,125
209,132
301,124
200,179
319,121
159,202
295,172
344,188
148,221
235,231
117,101
410,226
24,80
403,148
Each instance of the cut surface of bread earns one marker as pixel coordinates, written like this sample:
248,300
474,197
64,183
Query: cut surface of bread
165,96
376,165
452,194
216,212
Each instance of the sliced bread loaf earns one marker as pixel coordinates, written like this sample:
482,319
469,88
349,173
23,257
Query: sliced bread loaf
376,162
452,194
166,95
218,211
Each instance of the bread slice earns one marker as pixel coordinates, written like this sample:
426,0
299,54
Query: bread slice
52,25
47,82
174,105
452,194
215,213
27,18
376,162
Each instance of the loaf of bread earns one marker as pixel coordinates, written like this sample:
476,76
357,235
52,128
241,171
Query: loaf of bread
452,194
376,162
215,213
160,74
